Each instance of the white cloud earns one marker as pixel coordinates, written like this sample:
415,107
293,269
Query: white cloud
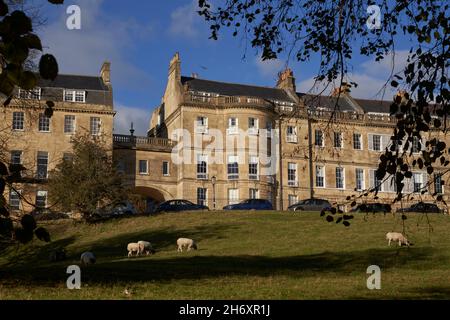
383,68
125,115
185,21
269,68
100,38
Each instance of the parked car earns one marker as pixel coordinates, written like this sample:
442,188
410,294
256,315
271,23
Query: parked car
422,207
372,208
250,204
310,205
179,205
120,209
43,214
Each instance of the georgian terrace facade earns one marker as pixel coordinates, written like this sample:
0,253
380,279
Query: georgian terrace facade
320,153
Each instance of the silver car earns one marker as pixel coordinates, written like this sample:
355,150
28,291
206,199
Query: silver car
310,205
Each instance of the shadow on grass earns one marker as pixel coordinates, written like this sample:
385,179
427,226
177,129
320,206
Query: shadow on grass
188,266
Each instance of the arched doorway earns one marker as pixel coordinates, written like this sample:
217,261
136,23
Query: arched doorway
147,198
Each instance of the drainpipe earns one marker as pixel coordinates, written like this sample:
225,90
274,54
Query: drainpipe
310,151
281,162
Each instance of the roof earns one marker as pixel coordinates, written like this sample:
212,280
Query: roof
380,106
234,89
69,81
316,101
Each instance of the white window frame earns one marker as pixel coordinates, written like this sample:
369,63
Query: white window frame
292,199
168,169
363,182
254,129
201,125
342,171
252,160
40,193
204,201
292,166
360,141
322,171
291,134
234,160
316,131
40,165
233,195
253,193
74,95
74,124
18,121
146,167
201,158
18,193
341,142
233,129
43,117
34,94
95,124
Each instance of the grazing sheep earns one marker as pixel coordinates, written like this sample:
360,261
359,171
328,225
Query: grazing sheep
57,255
184,242
145,247
87,258
133,247
397,236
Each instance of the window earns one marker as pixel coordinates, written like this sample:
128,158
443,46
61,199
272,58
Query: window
357,141
143,167
14,200
95,126
18,120
320,176
42,165
165,168
74,96
202,166
44,123
338,140
30,94
41,199
418,182
438,183
252,125
69,124
359,173
340,178
292,199
253,168
68,156
378,142
416,145
269,129
233,196
292,174
319,138
253,193
375,183
232,126
291,134
233,167
201,196
201,125
16,157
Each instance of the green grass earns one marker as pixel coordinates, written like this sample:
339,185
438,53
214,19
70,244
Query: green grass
242,255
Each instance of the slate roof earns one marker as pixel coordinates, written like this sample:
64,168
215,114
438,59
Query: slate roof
69,81
234,89
380,106
315,101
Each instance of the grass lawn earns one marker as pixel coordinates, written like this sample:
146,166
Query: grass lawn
242,255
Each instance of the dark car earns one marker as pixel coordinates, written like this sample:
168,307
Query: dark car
179,205
251,204
372,208
422,207
310,205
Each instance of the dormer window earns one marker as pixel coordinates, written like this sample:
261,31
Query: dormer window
30,94
74,96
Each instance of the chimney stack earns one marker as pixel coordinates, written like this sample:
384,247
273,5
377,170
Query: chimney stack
286,80
343,89
175,67
105,72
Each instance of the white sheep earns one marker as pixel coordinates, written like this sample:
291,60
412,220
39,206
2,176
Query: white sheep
133,247
87,258
397,236
145,247
185,242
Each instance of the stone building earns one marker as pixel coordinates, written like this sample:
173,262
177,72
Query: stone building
328,148
30,138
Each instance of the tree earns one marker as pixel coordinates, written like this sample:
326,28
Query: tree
18,45
333,30
87,180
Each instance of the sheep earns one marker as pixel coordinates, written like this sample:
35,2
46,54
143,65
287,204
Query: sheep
133,247
87,258
397,236
185,242
145,247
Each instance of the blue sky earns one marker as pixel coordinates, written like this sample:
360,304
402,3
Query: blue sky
140,37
